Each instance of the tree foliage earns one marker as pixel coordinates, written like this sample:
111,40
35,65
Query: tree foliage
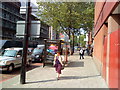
67,16
79,40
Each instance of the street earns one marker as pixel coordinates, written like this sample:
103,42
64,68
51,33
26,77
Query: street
6,76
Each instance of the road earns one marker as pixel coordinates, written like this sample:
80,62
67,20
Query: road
5,76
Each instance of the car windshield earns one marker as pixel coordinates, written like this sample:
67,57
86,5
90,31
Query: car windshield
10,53
1,52
37,50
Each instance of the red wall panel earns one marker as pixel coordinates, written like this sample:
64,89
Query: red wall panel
113,62
119,58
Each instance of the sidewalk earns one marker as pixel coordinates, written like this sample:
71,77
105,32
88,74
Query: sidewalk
78,74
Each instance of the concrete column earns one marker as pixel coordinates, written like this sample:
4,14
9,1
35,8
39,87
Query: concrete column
107,60
113,23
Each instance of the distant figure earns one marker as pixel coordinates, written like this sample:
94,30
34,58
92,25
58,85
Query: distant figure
91,52
58,64
88,51
81,53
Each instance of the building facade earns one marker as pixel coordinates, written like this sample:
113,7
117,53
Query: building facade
107,41
9,15
43,32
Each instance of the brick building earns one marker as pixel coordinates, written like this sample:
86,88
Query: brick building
107,41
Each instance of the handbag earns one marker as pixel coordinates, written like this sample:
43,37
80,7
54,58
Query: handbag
62,67
55,65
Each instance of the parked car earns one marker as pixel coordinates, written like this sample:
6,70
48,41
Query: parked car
12,58
37,54
1,52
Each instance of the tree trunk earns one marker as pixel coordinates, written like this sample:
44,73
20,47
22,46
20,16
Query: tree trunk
72,43
79,41
57,35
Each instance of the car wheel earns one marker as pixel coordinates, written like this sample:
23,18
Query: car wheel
10,68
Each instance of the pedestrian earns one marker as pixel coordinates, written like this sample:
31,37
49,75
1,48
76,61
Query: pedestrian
81,53
88,51
91,52
58,64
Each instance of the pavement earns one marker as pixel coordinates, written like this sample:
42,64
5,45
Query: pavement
77,74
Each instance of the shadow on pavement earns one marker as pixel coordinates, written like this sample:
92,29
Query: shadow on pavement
63,78
77,77
41,81
76,64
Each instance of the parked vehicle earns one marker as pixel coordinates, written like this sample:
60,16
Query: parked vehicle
12,58
1,52
37,54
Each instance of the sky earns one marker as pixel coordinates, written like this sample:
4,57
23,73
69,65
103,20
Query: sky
32,1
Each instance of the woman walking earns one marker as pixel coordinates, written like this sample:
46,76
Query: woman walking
58,64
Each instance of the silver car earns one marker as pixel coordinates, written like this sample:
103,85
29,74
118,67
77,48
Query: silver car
12,58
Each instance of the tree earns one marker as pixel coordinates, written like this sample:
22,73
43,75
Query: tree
66,16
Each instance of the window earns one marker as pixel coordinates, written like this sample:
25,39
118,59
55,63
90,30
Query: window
10,17
14,19
5,15
20,53
0,4
10,53
0,14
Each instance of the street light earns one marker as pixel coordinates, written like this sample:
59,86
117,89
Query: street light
25,44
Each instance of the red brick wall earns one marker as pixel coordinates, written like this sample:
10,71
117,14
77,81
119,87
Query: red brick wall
107,49
98,8
99,43
102,16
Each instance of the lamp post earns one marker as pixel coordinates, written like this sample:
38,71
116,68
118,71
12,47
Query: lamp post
25,44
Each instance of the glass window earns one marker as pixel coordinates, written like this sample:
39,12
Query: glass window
10,53
0,4
1,52
4,15
10,17
20,53
0,14
37,50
